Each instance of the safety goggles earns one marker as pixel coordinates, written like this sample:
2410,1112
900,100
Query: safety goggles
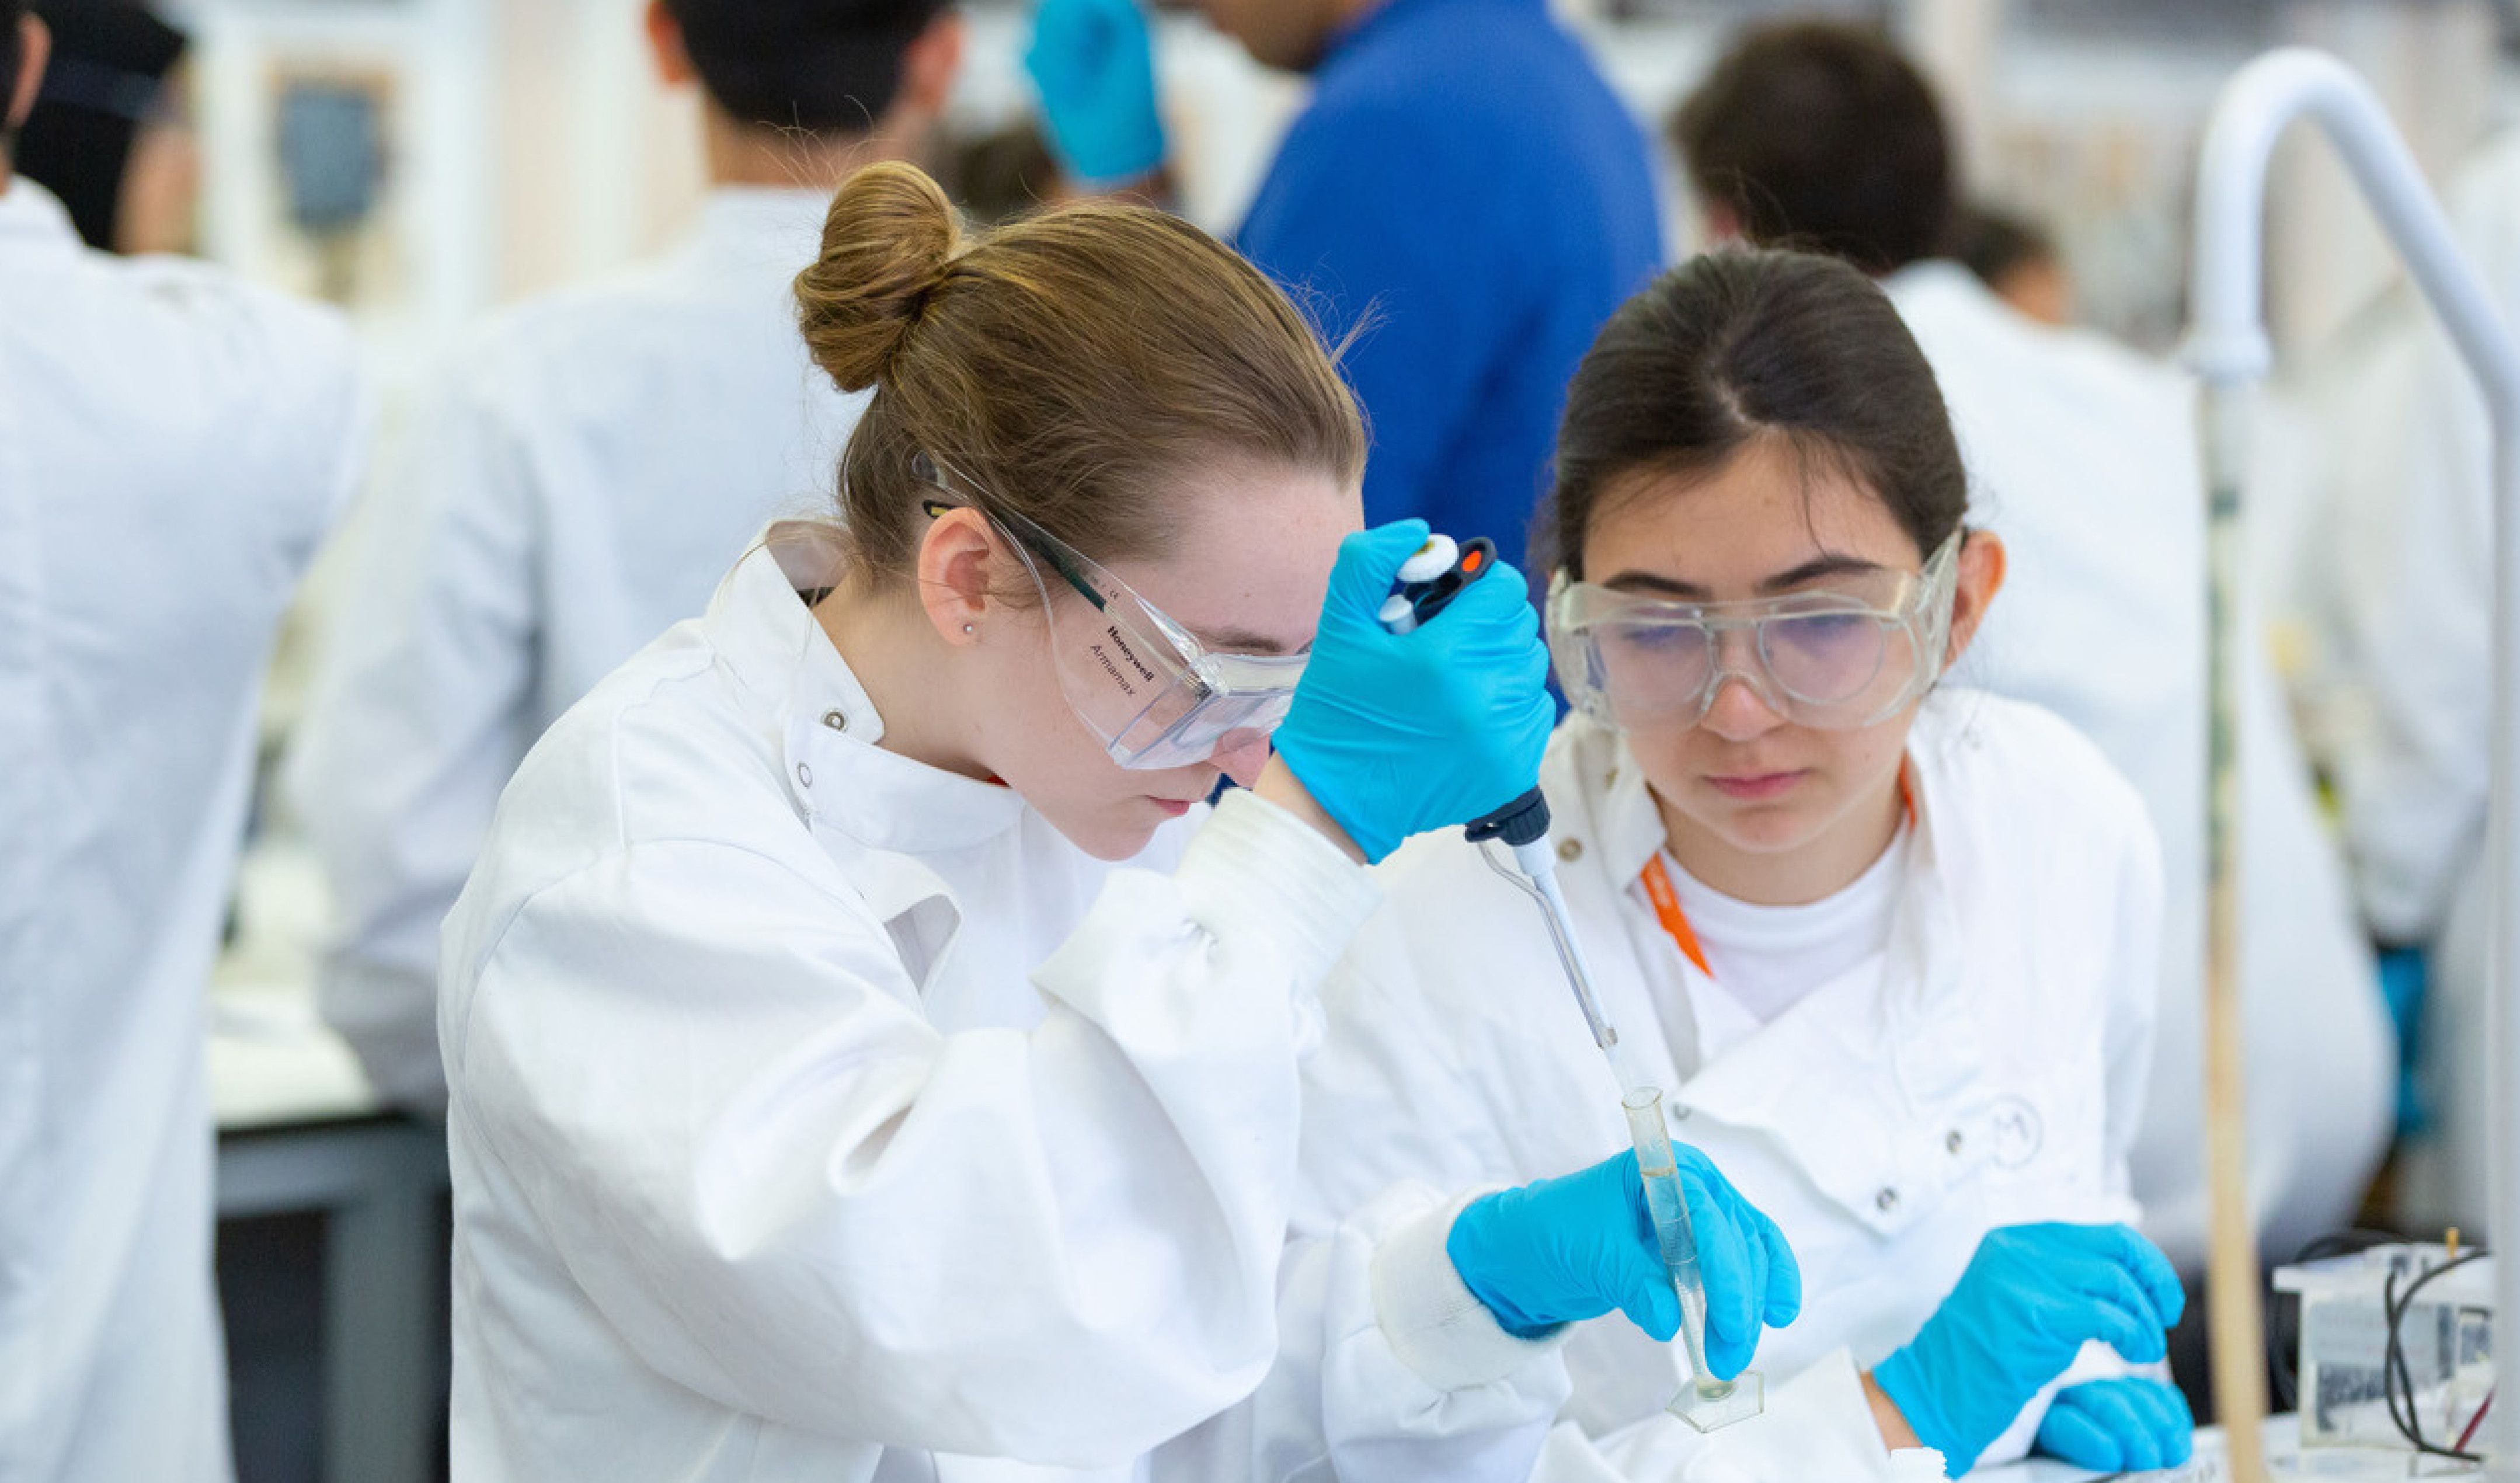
1155,696
1847,656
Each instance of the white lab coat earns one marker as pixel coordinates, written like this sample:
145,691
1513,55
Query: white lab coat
2084,457
582,476
2422,646
1990,1073
172,444
816,1114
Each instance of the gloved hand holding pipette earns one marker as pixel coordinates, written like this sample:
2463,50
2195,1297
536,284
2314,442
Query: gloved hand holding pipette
1561,1250
1395,734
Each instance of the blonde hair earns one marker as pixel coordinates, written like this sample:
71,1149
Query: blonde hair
1071,365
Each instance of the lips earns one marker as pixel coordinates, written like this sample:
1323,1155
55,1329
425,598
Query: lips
1757,787
1172,807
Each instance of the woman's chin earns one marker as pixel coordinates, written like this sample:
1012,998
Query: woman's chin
1765,831
1114,833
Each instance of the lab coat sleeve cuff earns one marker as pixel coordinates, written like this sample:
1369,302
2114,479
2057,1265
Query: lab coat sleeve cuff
1256,872
1434,1323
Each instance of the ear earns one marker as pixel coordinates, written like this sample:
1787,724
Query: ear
34,54
959,561
928,68
665,40
1981,578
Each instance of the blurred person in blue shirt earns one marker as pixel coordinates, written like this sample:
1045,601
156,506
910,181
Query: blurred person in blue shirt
1463,183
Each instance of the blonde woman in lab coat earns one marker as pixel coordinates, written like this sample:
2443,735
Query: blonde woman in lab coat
867,1058
1890,948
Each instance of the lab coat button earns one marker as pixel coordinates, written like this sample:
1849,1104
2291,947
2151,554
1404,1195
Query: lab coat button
804,775
1887,1202
1571,850
1952,1141
835,721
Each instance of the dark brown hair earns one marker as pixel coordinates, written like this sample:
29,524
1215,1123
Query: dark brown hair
1736,347
1822,136
828,66
1070,365
1994,244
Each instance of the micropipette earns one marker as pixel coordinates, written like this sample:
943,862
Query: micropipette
1430,581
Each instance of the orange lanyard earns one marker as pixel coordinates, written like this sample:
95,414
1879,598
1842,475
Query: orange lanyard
1675,922
1665,905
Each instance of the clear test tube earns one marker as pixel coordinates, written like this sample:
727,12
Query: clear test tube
1706,1403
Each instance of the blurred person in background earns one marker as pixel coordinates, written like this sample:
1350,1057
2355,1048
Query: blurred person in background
2418,643
585,471
111,134
2016,258
173,443
1003,174
1462,182
2084,454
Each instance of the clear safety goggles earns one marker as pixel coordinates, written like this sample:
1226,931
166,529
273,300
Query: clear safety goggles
1155,696
1847,656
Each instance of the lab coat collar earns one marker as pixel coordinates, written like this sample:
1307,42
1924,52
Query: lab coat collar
33,217
1632,828
1941,280
786,221
835,773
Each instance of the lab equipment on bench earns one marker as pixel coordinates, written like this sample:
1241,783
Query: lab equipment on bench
1440,571
2395,1348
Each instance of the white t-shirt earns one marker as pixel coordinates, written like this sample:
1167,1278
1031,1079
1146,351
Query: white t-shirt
1767,959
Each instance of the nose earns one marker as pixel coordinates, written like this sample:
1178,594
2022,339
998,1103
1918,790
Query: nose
1242,754
1738,713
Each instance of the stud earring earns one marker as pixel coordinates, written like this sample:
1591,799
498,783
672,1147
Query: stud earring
967,628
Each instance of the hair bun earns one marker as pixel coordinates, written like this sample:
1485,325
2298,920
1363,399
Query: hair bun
889,242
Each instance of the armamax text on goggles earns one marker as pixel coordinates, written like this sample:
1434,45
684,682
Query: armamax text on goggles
1151,692
1847,656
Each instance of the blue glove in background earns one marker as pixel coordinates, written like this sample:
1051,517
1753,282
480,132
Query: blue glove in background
1558,1250
1094,65
2127,1424
1396,734
2030,1299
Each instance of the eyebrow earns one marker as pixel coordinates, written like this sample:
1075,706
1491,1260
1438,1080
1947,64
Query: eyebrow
1827,564
1243,641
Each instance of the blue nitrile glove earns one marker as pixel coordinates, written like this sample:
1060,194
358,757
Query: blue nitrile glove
1396,734
1095,67
1558,1250
2127,1424
2031,1298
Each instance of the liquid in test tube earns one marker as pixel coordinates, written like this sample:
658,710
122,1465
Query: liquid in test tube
1706,1403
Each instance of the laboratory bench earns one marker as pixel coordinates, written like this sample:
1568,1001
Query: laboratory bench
302,1132
2284,1460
